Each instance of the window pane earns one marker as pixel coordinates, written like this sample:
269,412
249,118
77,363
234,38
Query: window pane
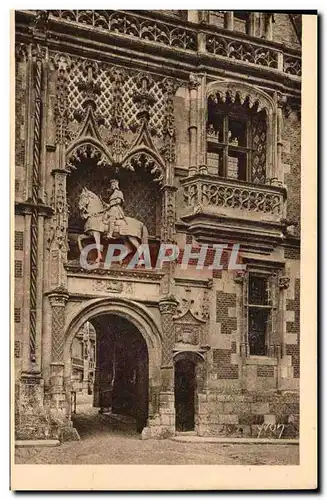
215,128
237,132
215,162
236,165
258,290
258,328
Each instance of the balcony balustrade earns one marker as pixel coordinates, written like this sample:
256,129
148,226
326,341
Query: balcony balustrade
216,206
184,35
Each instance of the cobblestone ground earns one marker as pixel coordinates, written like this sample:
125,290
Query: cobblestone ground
106,441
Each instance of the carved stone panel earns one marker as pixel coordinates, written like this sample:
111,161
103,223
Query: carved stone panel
110,286
189,329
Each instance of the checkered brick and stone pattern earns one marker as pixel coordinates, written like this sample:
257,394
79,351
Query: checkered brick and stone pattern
293,327
19,240
222,364
224,303
292,253
18,269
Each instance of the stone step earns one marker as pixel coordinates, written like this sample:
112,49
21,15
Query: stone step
37,442
184,438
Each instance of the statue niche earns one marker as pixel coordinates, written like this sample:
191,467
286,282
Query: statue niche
104,205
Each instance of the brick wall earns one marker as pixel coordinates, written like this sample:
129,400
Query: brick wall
19,240
18,269
294,327
223,302
292,253
222,365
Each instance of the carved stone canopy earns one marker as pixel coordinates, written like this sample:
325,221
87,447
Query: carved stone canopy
232,91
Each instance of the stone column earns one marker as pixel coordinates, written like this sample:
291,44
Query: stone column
193,129
58,299
269,26
167,308
281,101
252,29
229,20
86,357
202,125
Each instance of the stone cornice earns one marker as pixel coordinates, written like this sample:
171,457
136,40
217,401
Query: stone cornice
26,207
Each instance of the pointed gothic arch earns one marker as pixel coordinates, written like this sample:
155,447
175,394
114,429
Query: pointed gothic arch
243,91
87,146
145,157
263,108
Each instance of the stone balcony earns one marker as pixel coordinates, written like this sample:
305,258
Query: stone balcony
216,209
154,28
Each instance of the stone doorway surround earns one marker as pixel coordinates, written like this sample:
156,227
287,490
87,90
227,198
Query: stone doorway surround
198,384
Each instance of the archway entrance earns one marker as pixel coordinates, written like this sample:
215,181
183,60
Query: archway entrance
121,384
185,393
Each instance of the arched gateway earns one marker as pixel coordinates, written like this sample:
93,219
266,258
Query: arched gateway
128,350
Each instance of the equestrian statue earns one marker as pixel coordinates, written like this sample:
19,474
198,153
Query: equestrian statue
108,219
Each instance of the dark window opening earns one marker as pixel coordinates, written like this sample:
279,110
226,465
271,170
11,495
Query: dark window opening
259,315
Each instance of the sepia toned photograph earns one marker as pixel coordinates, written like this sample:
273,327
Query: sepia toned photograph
157,237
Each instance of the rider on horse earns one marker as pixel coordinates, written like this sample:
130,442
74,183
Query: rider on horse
114,214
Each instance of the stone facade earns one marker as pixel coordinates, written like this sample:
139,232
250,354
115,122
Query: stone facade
197,114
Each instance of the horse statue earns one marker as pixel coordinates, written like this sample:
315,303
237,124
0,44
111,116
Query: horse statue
95,213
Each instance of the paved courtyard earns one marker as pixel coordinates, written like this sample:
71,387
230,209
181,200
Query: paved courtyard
107,441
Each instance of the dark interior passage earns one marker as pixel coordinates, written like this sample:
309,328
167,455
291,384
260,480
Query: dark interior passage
184,395
121,375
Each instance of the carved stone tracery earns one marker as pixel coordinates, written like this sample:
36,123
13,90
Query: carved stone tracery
62,64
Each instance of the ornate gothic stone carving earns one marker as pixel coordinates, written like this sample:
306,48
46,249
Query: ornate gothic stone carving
144,99
167,307
194,81
231,91
108,286
58,230
206,303
242,51
284,282
189,329
86,150
127,24
168,149
62,64
40,23
20,51
146,161
58,299
239,277
222,193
